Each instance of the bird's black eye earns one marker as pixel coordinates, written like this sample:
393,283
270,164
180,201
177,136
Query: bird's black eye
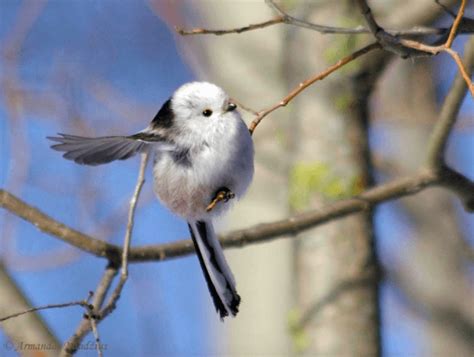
207,112
231,107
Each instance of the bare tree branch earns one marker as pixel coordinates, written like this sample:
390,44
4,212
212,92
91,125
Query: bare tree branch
457,22
444,126
95,332
72,345
385,40
256,234
83,303
388,41
97,313
308,82
459,184
50,226
284,18
201,31
111,304
409,48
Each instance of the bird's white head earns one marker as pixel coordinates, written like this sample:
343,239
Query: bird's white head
200,106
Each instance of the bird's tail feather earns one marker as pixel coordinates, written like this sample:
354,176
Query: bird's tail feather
219,278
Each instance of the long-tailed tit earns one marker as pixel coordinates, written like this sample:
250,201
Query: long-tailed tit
201,148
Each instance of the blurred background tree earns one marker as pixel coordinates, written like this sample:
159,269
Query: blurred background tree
368,284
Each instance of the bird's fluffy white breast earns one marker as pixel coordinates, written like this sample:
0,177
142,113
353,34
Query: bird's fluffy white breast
220,155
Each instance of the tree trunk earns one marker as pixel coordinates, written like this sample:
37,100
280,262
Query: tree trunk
335,265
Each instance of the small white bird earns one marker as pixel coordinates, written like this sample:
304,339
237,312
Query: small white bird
202,148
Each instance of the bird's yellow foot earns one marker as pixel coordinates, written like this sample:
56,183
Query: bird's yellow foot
222,194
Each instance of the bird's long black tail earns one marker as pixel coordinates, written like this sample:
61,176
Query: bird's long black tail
219,278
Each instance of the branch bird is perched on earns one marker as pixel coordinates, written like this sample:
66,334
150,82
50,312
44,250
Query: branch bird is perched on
202,149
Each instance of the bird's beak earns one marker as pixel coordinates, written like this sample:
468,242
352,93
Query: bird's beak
231,107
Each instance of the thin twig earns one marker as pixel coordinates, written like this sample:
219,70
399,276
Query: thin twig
446,47
449,112
462,69
98,313
201,31
290,20
131,215
388,41
442,48
456,23
305,84
95,332
83,303
110,306
72,344
104,287
287,19
404,47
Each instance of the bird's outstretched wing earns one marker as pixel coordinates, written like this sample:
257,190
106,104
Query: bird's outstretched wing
101,150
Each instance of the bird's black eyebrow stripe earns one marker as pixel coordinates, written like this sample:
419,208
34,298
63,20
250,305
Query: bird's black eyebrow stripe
165,116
